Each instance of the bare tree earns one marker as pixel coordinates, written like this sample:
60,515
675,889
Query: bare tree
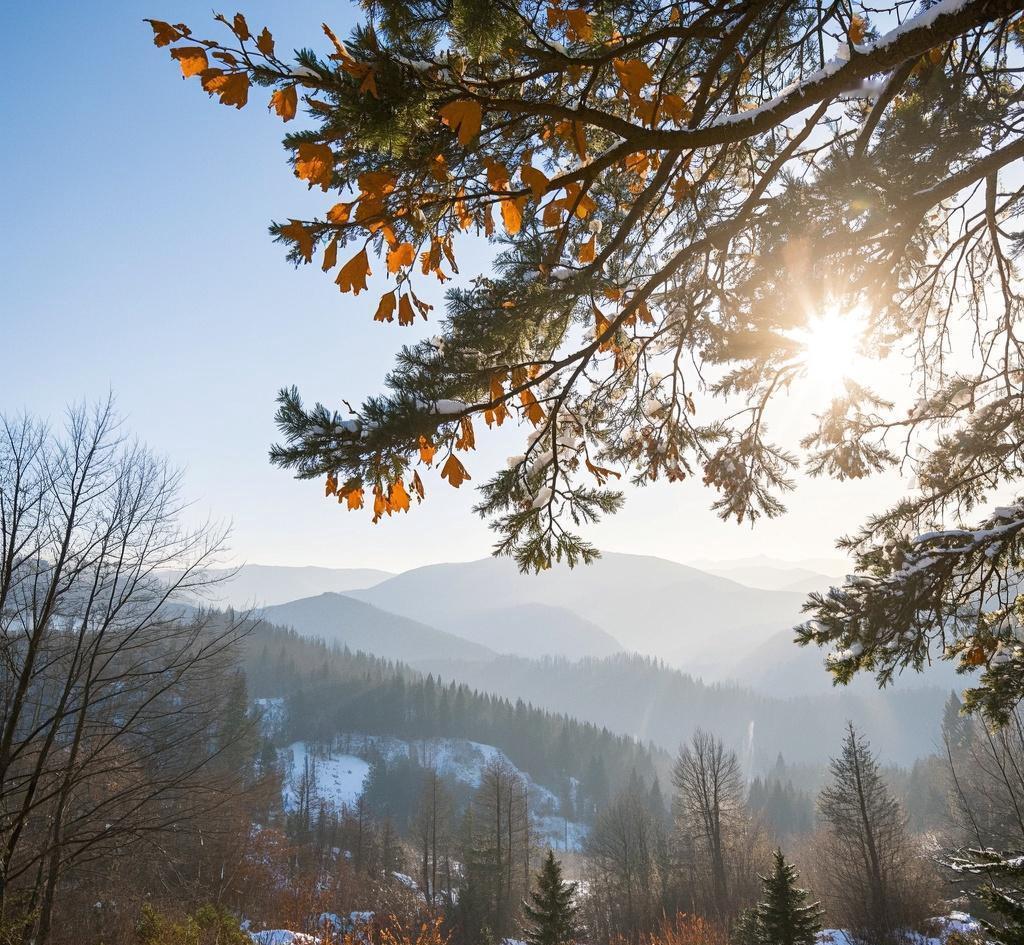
710,812
868,862
623,870
433,835
111,694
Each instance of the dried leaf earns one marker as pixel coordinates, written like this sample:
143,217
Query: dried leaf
464,117
192,60
285,102
454,471
315,164
330,255
339,213
427,450
353,274
240,27
536,180
512,214
633,74
386,308
406,315
265,43
534,411
401,255
302,236
163,33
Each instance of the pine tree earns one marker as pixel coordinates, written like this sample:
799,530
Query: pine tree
784,915
551,914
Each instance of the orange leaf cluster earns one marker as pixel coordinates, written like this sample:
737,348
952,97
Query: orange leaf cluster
576,22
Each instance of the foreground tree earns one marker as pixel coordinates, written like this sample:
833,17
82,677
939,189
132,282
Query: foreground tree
115,708
682,187
867,858
784,916
551,914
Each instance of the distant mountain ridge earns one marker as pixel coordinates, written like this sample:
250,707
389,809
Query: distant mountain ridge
337,618
693,620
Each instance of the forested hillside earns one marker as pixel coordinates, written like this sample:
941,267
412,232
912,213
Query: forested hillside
666,706
329,690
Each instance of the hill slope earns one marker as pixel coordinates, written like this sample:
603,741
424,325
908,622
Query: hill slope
534,630
339,619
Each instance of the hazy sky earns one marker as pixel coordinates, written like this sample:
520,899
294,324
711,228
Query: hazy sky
136,260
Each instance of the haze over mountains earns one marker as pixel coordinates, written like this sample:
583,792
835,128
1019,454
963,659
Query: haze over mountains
719,653
712,627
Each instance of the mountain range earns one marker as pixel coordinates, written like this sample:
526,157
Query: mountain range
707,625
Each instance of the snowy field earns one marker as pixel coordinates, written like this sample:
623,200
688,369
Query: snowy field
336,779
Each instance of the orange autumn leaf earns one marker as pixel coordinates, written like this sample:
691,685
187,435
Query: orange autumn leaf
417,484
427,450
380,504
536,180
377,183
587,251
330,255
406,316
633,74
315,164
402,255
398,498
163,33
240,27
858,26
352,277
463,116
386,309
302,236
265,43
534,411
499,412
644,314
600,473
467,438
454,471
331,487
512,214
339,213
577,22
285,102
353,498
192,60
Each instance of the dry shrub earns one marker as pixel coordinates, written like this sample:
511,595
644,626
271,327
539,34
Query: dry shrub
686,929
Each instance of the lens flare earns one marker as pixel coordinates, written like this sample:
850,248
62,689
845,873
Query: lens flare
831,348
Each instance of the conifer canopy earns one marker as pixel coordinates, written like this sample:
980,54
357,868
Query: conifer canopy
675,190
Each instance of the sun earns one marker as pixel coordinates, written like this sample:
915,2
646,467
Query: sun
830,345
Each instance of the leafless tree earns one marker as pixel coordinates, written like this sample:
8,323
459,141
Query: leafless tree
711,814
110,689
869,862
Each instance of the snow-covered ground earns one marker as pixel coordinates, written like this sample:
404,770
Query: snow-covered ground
959,922
339,775
336,779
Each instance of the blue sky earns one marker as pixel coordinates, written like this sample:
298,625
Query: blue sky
136,260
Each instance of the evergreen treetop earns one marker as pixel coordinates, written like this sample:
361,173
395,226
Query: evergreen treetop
551,914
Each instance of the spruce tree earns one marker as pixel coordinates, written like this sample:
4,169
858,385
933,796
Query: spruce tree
551,914
785,916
